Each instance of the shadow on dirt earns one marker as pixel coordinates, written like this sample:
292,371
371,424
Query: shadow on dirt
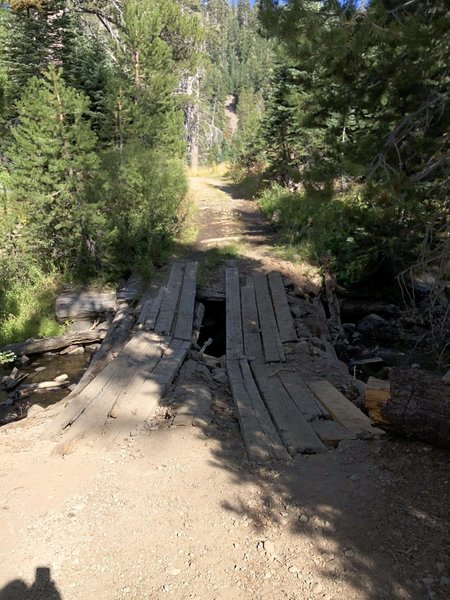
43,588
370,516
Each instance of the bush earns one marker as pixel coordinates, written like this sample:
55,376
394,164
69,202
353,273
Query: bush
141,192
27,297
345,232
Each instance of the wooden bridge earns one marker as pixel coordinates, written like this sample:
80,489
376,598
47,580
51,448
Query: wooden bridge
280,414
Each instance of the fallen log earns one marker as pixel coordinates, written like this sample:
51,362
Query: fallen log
116,337
83,305
41,345
414,403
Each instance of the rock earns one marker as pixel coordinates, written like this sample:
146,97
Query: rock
376,320
349,554
293,570
81,326
72,386
93,347
303,519
440,566
174,572
269,547
353,477
62,377
365,326
24,359
446,378
77,350
220,376
34,410
5,399
315,351
317,343
39,369
445,581
349,327
302,346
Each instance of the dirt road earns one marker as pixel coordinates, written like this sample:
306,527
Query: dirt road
178,513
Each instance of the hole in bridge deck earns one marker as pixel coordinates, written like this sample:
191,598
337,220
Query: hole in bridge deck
214,327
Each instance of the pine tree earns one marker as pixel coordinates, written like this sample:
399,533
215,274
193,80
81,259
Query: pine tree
52,160
39,33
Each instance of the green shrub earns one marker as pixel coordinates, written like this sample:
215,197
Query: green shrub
141,193
26,302
342,231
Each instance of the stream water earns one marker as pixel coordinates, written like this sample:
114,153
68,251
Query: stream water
48,367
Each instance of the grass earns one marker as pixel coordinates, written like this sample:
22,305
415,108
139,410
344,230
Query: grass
27,310
214,257
215,170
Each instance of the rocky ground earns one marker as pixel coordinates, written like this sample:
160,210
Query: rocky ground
178,512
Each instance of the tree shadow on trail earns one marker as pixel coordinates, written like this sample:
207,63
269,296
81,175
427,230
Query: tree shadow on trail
43,588
369,518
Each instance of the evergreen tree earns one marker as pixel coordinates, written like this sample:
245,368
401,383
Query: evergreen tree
53,157
39,33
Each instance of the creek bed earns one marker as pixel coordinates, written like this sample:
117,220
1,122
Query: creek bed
55,364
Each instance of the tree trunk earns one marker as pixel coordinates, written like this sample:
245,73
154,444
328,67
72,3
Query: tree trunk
39,346
415,404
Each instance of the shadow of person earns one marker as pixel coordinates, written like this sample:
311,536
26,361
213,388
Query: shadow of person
43,588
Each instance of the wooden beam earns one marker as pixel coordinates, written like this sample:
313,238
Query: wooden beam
169,303
302,396
234,337
285,322
152,314
273,349
261,438
185,318
292,426
140,400
342,410
250,322
136,360
331,433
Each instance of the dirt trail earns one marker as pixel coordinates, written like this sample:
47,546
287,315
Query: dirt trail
178,513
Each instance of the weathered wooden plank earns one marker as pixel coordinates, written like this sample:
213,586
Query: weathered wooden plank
234,341
141,398
183,328
342,410
285,322
169,304
260,436
152,314
146,308
273,349
116,337
138,358
302,396
331,433
292,426
250,322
